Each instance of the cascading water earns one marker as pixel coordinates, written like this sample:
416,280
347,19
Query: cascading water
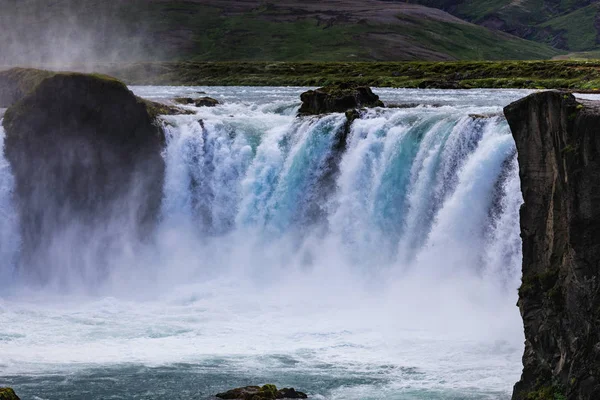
388,270
9,232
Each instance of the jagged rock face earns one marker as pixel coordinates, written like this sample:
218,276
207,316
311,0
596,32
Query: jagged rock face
337,98
84,151
558,145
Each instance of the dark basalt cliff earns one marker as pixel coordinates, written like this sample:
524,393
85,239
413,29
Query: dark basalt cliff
85,152
558,143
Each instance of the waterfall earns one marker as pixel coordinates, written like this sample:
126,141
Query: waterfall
385,252
9,231
414,187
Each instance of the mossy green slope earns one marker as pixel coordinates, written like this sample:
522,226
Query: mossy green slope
564,24
578,28
261,35
577,75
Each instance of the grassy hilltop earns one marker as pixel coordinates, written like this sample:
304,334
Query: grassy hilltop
39,31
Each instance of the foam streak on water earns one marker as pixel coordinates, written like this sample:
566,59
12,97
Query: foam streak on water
391,275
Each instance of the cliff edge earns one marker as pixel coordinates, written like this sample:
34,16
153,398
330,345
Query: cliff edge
558,146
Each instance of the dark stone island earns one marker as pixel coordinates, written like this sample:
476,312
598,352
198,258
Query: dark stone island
338,98
266,392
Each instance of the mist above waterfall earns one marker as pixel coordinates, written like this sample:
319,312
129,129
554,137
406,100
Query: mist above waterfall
399,271
73,34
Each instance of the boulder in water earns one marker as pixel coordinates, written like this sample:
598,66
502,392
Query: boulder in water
266,392
206,102
8,394
200,102
80,146
338,98
183,100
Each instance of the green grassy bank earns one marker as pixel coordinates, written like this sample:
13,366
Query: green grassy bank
576,75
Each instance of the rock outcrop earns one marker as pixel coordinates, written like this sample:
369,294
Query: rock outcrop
266,392
81,147
15,83
8,394
558,147
199,102
337,98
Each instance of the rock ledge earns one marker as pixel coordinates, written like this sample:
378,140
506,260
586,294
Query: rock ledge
337,98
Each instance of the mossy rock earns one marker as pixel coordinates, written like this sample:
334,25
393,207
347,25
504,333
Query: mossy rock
8,394
15,83
82,143
206,102
338,98
265,392
183,100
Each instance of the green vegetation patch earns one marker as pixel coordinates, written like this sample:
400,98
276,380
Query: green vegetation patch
472,42
578,28
194,31
8,394
547,393
574,75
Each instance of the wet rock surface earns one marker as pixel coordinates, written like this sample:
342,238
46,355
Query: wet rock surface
266,392
80,146
559,158
199,102
337,98
8,394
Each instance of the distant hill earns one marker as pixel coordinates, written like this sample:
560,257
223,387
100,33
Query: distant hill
76,31
572,25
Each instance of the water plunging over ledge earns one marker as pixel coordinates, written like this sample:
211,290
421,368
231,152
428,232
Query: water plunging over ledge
388,270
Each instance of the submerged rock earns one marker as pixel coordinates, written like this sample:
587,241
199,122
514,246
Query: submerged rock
183,100
337,98
266,392
206,102
559,159
80,146
200,102
8,394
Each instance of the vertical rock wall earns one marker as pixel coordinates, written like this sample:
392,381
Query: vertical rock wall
558,141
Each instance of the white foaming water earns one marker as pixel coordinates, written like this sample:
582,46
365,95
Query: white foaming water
392,276
9,232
